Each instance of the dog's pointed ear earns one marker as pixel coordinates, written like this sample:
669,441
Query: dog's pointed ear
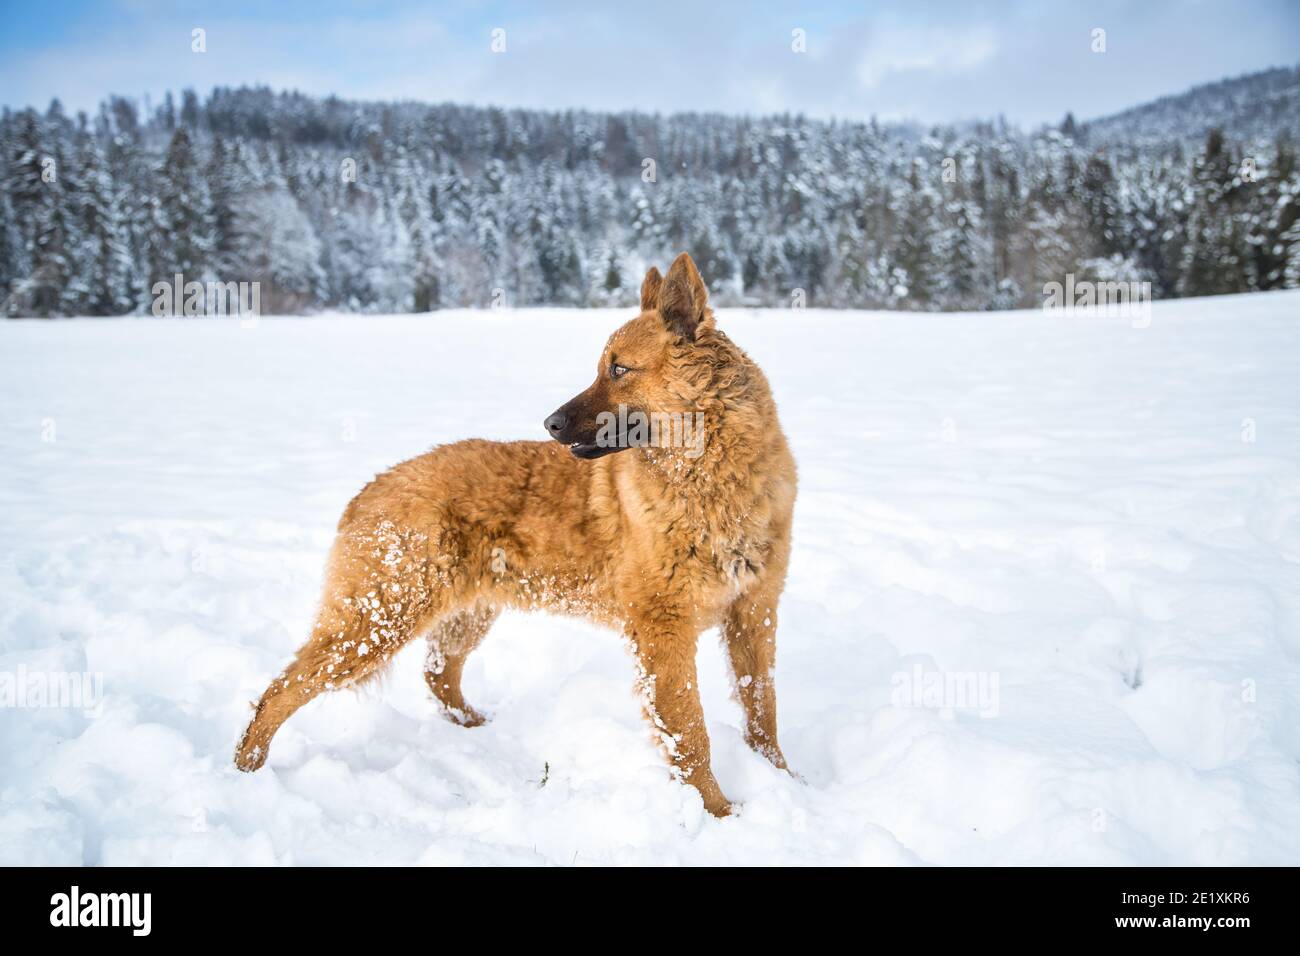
683,299
650,290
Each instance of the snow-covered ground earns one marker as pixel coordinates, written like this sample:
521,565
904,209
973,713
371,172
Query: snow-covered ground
1096,526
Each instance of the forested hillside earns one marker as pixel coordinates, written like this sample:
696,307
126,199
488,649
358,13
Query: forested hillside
405,207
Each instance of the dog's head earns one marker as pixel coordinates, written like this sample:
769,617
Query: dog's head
645,373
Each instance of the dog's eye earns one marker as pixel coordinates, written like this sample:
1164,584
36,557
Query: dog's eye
618,371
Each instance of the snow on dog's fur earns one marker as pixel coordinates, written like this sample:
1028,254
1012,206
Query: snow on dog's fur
656,539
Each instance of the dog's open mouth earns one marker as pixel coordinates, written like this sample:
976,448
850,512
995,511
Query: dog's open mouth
591,450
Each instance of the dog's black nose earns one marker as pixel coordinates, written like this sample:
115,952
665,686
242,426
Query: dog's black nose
555,422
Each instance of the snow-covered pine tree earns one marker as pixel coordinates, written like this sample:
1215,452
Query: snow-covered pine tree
180,241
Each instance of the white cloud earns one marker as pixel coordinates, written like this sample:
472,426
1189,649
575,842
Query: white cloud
931,50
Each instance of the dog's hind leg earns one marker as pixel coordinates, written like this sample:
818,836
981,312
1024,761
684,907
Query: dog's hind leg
450,643
378,590
337,655
749,631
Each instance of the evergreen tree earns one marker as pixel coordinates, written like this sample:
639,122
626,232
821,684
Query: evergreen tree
915,252
1212,261
37,197
103,278
182,240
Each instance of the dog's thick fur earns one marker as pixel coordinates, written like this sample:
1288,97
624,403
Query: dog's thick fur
658,542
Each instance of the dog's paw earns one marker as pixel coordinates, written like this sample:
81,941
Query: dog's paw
724,809
768,751
251,754
466,716
250,759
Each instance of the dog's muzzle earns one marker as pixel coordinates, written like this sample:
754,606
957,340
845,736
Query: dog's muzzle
560,425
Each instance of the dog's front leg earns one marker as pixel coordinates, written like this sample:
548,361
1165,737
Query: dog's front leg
670,694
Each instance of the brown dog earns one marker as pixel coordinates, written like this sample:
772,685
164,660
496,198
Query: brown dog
689,530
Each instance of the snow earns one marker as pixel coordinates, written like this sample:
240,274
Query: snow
1043,606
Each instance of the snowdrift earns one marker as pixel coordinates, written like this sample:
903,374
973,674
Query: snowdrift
1044,603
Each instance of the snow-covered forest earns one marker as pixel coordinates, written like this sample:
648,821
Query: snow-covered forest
372,207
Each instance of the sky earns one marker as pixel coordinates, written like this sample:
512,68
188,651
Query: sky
1028,60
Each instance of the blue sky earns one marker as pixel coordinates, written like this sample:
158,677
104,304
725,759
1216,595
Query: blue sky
931,61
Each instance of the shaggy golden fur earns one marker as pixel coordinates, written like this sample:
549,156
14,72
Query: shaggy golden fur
659,542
